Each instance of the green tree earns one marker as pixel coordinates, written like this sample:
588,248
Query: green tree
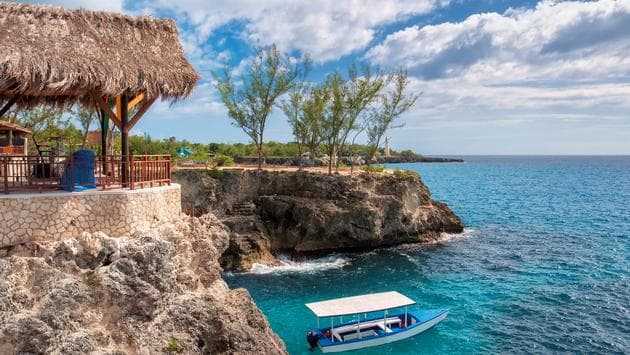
85,119
293,108
392,105
250,100
362,90
315,106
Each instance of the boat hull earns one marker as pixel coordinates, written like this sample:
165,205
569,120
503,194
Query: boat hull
411,331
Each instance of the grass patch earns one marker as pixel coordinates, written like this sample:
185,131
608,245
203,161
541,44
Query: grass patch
402,173
378,168
174,346
92,279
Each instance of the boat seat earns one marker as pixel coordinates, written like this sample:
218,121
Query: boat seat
364,325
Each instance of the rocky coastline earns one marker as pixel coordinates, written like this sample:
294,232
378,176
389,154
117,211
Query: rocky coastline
160,290
154,292
300,213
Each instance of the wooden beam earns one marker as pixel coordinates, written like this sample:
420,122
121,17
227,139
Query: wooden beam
139,114
10,103
118,107
103,105
124,139
136,100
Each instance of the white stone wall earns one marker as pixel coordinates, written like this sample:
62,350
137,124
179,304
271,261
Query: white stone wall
53,216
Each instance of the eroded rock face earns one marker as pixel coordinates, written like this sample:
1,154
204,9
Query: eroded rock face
314,213
150,293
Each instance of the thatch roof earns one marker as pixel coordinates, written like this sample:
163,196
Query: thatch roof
8,126
56,56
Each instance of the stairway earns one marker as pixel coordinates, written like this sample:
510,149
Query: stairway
243,209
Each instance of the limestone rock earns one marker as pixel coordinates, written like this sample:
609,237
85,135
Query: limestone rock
301,212
129,295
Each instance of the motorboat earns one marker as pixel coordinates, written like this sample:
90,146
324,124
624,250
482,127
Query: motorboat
362,327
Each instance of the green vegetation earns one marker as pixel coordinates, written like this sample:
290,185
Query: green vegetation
173,346
250,99
373,168
92,279
402,173
216,173
326,119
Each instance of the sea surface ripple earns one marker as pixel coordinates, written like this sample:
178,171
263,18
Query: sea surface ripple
543,266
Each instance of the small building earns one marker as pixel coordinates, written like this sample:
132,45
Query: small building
109,63
13,139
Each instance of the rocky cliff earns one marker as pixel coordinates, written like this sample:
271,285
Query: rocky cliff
154,292
310,213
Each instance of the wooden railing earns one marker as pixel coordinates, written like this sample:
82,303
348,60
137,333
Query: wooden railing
28,173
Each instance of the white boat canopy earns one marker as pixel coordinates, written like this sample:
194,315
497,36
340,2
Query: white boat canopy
360,304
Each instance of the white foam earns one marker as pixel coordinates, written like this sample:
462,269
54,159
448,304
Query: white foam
446,237
287,265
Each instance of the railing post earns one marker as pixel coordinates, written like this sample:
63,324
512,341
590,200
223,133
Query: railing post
168,169
5,169
131,171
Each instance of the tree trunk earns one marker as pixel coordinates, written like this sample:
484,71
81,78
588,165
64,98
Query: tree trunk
330,161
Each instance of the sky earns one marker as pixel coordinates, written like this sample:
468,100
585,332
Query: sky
495,76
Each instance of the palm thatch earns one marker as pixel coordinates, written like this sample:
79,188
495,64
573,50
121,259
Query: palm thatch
56,56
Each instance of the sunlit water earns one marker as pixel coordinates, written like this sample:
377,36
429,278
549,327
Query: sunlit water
542,267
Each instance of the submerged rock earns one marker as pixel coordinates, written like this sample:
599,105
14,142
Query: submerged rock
158,291
309,213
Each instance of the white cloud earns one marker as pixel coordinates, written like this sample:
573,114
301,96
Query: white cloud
559,55
326,29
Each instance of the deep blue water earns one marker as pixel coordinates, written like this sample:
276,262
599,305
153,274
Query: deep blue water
542,268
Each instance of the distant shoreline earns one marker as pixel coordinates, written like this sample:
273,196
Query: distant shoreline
382,160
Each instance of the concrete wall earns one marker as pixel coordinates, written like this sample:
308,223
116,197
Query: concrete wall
58,215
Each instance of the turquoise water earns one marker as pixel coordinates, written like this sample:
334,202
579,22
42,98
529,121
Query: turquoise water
543,266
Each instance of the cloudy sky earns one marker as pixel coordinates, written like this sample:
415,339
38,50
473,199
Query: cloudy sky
496,76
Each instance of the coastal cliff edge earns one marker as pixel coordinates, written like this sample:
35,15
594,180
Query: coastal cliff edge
302,213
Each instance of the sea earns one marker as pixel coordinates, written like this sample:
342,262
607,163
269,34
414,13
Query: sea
542,267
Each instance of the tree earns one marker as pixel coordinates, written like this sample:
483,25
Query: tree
348,102
293,108
392,105
315,106
85,119
250,100
333,119
47,126
361,92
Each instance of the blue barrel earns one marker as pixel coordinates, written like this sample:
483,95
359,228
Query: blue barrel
81,171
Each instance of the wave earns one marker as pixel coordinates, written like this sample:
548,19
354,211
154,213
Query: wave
287,265
446,237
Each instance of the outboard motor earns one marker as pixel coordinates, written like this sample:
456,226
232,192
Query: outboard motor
312,338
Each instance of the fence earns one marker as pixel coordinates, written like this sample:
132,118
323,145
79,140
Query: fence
34,173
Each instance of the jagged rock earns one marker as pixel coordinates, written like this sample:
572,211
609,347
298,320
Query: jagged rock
303,212
131,295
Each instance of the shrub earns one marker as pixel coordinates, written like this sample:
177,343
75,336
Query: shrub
373,168
173,346
92,279
216,173
223,160
399,173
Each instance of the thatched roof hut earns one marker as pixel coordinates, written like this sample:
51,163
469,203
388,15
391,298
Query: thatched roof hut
58,56
61,57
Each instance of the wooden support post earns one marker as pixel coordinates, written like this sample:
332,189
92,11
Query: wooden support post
9,104
124,137
145,107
